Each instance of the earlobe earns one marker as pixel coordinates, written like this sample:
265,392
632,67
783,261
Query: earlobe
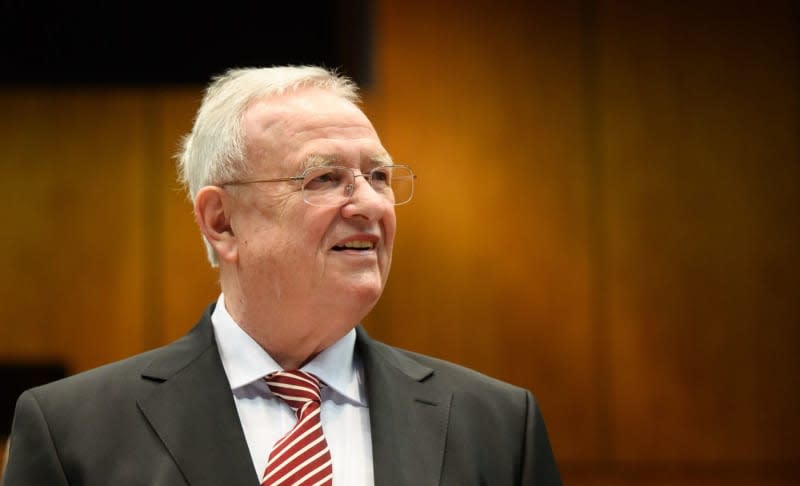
212,213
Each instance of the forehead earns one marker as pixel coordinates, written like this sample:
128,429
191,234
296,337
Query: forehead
288,130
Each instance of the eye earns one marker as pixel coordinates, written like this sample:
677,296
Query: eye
323,178
381,177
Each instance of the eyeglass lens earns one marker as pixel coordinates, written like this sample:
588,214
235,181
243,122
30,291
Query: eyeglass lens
332,186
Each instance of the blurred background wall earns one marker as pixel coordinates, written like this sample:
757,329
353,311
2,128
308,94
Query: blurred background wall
606,214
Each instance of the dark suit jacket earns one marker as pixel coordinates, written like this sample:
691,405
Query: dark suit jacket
167,417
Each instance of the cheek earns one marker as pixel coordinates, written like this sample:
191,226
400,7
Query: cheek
390,229
315,231
263,244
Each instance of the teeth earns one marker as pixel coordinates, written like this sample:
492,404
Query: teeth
358,244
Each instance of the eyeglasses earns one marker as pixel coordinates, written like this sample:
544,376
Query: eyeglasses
327,186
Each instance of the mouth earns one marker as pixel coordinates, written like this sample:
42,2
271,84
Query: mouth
357,245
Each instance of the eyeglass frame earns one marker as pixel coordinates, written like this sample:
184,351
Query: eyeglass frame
301,177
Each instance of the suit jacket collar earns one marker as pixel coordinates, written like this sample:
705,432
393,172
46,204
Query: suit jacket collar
408,415
193,413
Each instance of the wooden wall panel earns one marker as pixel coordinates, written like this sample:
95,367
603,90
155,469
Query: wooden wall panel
673,132
72,168
701,160
605,215
491,265
189,283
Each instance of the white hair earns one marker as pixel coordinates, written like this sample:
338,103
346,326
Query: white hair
214,151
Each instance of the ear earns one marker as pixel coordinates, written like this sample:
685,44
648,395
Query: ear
212,211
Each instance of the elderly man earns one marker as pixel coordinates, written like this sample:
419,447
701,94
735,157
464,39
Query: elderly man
294,195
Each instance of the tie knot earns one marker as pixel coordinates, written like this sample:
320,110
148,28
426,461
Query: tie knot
297,388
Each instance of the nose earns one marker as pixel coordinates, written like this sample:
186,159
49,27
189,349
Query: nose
365,202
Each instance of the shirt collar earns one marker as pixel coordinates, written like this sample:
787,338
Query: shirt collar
245,361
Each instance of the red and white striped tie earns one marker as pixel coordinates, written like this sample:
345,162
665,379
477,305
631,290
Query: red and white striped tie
301,457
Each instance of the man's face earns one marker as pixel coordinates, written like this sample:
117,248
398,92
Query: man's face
299,256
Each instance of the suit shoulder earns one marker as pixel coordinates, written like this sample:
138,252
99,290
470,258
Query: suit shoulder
101,378
501,406
461,377
454,370
121,376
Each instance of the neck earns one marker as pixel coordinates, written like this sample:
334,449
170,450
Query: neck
291,340
292,330
288,349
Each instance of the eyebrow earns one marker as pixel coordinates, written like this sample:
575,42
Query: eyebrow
316,160
381,158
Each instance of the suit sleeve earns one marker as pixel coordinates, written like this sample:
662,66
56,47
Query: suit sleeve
32,458
539,466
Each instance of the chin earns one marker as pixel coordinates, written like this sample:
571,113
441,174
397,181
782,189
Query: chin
368,294
365,292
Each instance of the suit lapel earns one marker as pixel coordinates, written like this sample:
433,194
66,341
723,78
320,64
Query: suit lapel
192,411
408,416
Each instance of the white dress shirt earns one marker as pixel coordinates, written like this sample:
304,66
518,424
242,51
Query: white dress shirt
266,418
